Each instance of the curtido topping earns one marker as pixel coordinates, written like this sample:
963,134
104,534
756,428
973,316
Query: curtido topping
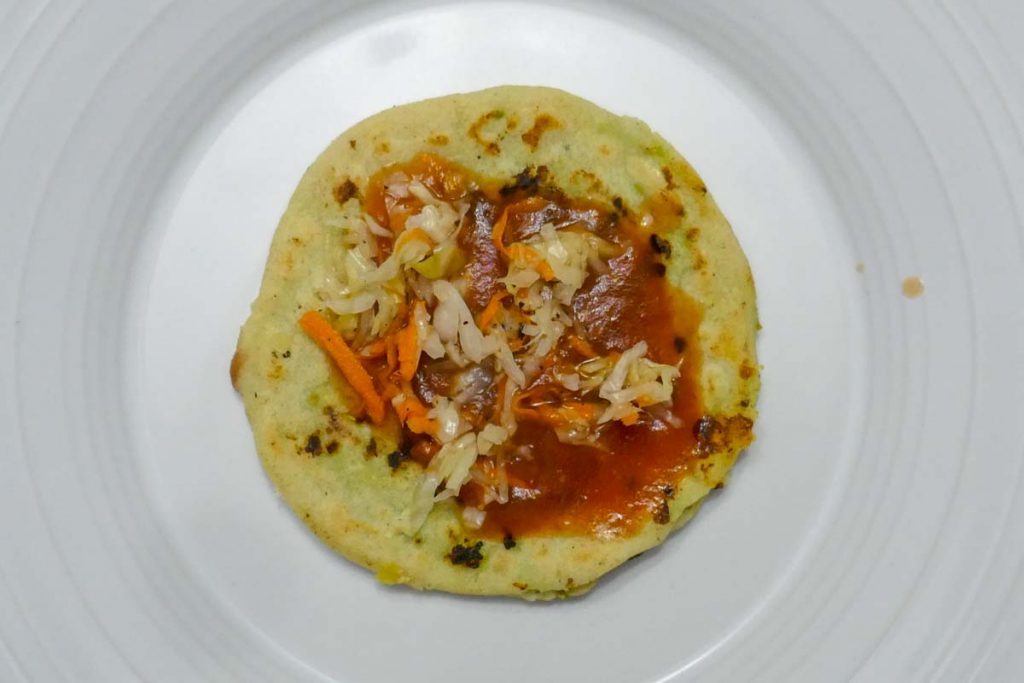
466,376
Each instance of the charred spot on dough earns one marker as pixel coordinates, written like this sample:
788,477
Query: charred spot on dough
519,585
670,199
382,147
692,234
352,143
603,149
670,182
508,541
660,245
590,180
529,180
490,146
680,344
699,262
396,458
619,205
541,124
746,371
332,447
296,241
570,582
371,449
466,555
512,123
439,139
333,422
662,514
344,191
313,446
717,435
237,361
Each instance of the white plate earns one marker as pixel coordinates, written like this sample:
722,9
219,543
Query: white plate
874,531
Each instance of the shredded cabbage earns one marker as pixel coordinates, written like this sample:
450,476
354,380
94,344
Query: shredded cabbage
544,274
635,382
449,422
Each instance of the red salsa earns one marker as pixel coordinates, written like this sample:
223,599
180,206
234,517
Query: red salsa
623,478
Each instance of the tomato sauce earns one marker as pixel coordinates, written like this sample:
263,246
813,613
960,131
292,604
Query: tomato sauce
624,480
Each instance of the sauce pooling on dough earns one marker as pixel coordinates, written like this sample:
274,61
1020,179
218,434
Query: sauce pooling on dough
601,415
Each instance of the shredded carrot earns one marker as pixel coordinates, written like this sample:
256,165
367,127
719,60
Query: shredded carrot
328,339
410,406
408,341
631,419
388,389
374,349
392,351
522,252
491,309
582,346
498,232
421,425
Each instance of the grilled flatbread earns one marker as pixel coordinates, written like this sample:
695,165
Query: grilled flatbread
505,341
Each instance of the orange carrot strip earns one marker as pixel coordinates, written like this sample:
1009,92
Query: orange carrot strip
410,406
408,350
388,389
374,349
498,232
328,339
491,309
403,410
582,346
522,252
421,425
392,352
